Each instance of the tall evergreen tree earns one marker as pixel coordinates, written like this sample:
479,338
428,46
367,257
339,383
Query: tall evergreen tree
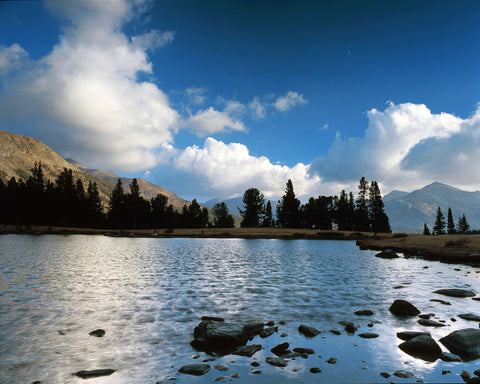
318,213
288,208
137,208
462,225
376,214
361,207
439,227
159,211
221,216
116,213
268,218
253,208
94,205
450,223
426,230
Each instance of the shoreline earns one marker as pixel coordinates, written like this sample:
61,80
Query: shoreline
452,249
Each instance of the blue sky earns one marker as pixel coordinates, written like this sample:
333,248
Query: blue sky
209,98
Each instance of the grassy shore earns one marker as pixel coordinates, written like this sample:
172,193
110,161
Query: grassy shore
463,249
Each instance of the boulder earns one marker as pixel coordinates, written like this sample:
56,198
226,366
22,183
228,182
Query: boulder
450,357
268,332
455,292
253,329
403,374
219,336
247,350
281,349
387,254
308,331
368,335
407,335
469,316
430,323
276,361
364,312
315,370
464,343
403,308
94,373
195,369
423,347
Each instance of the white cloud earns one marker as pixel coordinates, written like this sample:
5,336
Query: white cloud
229,169
406,146
85,96
290,100
12,58
196,95
257,108
210,121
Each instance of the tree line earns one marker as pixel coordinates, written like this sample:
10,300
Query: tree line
66,202
365,213
441,227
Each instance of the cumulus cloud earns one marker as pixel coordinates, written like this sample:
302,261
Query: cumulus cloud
196,95
290,100
210,121
406,146
12,58
257,108
229,169
85,93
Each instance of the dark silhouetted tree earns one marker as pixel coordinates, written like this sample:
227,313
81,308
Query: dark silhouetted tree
462,225
318,213
376,214
268,217
361,207
94,206
221,217
116,213
137,208
450,223
288,208
426,230
159,214
253,208
439,227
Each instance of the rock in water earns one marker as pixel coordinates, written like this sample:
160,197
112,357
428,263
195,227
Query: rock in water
430,323
281,349
308,331
368,335
422,346
407,335
403,308
403,374
450,357
387,254
464,343
470,317
97,333
455,292
211,335
364,312
247,350
268,332
195,369
276,361
94,373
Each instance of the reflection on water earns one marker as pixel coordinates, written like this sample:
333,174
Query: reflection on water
149,294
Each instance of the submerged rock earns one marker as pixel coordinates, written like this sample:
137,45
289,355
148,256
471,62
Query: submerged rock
332,360
387,254
465,375
247,350
364,312
441,301
308,331
315,370
254,329
464,343
281,349
97,333
308,351
195,369
368,335
455,292
469,316
268,332
403,374
423,347
94,373
450,357
403,308
212,335
430,323
276,361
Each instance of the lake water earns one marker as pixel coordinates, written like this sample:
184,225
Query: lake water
149,294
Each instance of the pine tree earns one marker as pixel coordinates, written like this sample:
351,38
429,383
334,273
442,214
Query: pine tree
288,208
439,227
94,205
116,213
254,207
376,214
268,219
450,223
221,216
159,217
361,208
462,225
426,230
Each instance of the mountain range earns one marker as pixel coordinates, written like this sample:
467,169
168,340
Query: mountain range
407,211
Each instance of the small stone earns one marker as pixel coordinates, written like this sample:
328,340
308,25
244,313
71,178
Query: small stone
308,331
195,356
387,254
268,332
220,367
450,357
283,334
276,361
403,374
97,333
426,315
441,301
445,372
407,335
386,375
430,323
470,317
256,372
255,364
465,375
195,369
332,360
335,331
280,349
403,308
247,350
270,323
219,378
368,335
364,312
235,375
212,318
315,370
307,351
476,372
94,373
455,292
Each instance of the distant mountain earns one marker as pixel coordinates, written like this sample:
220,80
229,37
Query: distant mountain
147,189
409,211
19,153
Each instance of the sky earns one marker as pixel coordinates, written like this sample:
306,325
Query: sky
210,98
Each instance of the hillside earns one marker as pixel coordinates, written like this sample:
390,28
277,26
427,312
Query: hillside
409,211
148,189
18,154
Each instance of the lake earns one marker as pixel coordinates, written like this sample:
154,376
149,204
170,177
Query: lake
149,294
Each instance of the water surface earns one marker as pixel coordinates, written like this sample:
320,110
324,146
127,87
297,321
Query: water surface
149,294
